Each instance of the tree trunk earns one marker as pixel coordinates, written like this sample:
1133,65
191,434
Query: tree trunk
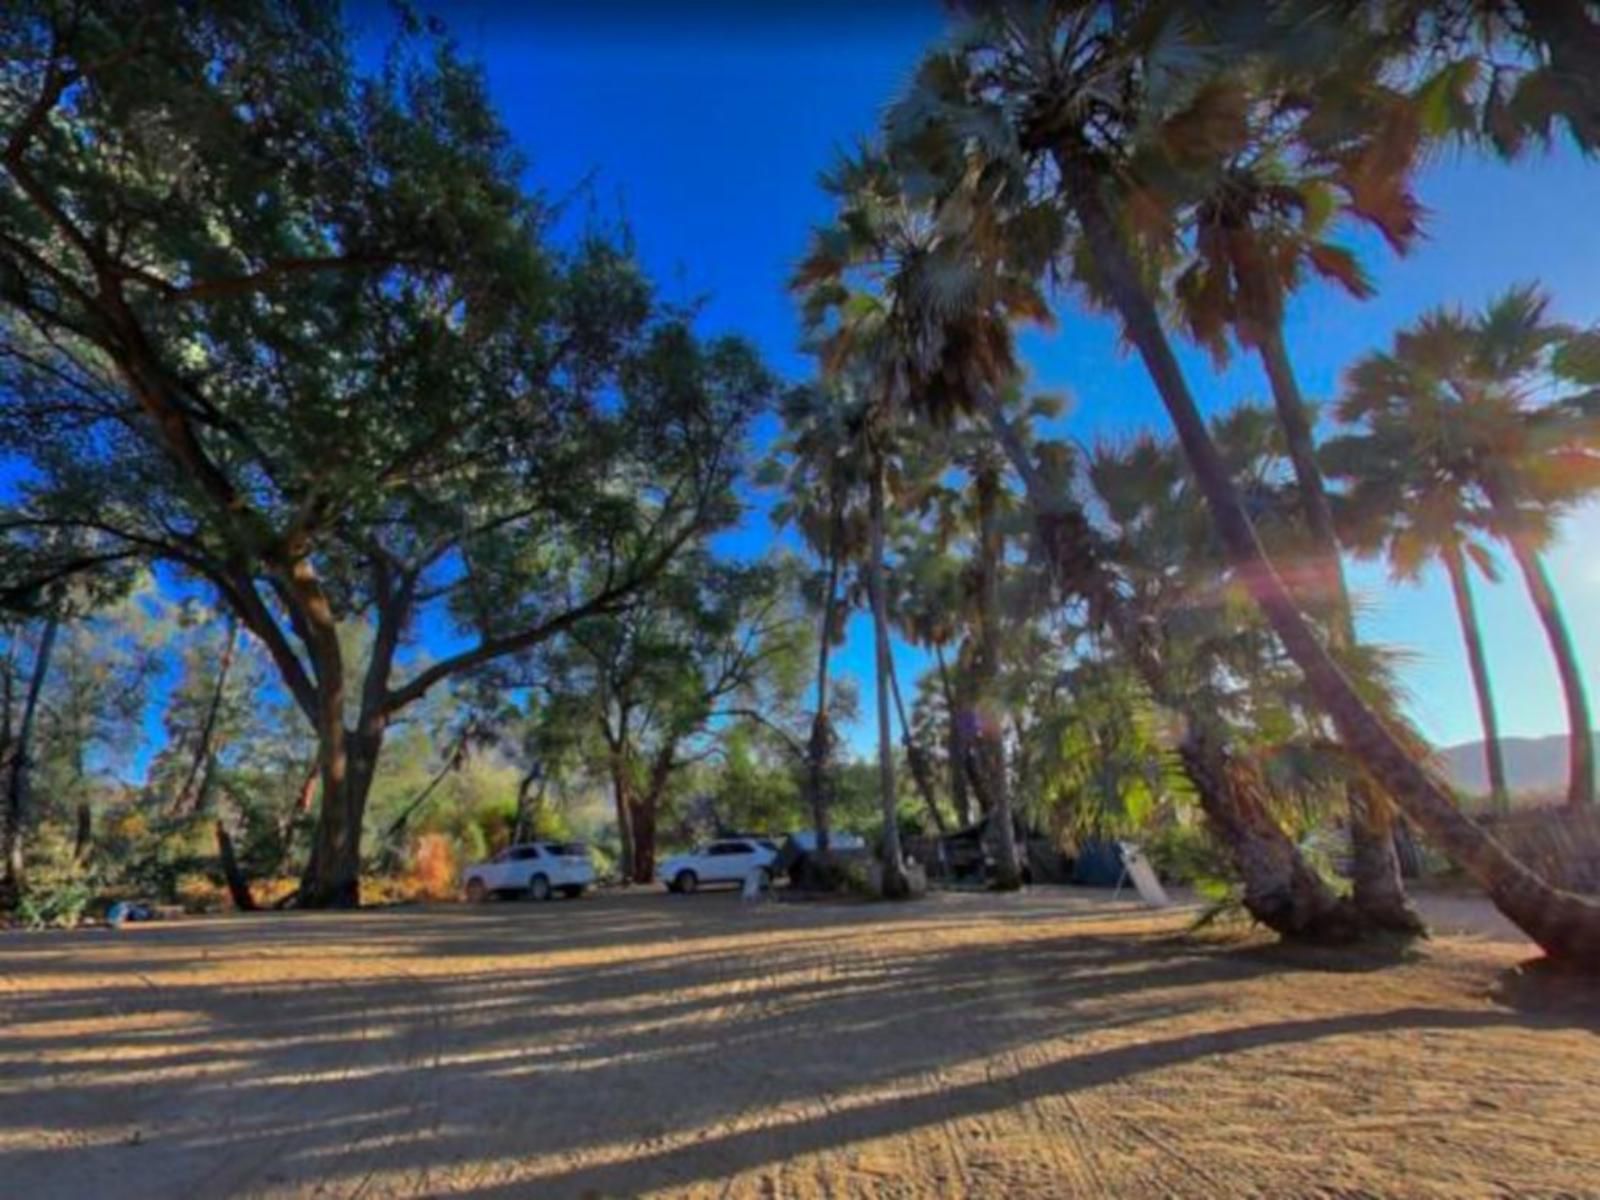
1455,569
238,885
620,791
1280,889
895,884
19,783
523,826
1565,925
332,876
819,750
646,808
1580,728
915,759
991,747
955,747
189,797
1377,889
83,834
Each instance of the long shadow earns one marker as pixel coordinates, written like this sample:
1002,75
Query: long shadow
745,1151
302,1079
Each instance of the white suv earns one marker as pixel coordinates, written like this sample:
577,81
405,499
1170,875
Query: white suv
538,868
728,860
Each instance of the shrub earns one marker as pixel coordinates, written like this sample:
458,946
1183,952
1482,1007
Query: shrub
432,869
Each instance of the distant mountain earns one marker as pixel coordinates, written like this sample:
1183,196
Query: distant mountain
1532,764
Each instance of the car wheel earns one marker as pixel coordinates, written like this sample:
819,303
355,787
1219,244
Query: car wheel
476,892
685,882
539,888
572,891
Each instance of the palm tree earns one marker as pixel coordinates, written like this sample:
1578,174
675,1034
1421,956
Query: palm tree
871,281
1057,99
1259,227
1455,396
1399,506
823,482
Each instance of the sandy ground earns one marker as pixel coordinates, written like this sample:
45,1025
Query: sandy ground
1050,1044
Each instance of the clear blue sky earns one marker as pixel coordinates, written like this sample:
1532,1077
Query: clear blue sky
709,128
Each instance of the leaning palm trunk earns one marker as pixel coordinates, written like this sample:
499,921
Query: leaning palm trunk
921,775
1281,890
895,884
1580,736
1455,568
1565,925
1377,889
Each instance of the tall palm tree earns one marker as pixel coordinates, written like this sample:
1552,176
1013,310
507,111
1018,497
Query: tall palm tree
1457,393
1259,228
1057,99
824,483
871,280
1398,505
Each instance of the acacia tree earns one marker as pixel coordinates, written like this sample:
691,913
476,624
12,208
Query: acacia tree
708,644
1055,103
297,332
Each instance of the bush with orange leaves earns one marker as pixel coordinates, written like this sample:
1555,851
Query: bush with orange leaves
431,869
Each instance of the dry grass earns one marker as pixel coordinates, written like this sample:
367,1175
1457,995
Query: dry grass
1049,1044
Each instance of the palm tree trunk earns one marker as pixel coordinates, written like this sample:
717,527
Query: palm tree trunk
1580,735
820,748
1281,890
955,745
1455,568
991,732
1377,888
1565,925
19,782
895,884
915,759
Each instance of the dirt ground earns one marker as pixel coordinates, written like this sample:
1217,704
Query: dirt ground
1050,1044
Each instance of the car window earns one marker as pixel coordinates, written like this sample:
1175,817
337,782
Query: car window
503,856
569,849
523,853
731,848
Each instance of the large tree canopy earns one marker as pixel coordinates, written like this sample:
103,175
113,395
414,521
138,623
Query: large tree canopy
297,331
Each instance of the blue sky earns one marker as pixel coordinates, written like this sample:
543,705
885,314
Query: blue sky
709,131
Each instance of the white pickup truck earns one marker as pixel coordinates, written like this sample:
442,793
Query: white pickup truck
535,869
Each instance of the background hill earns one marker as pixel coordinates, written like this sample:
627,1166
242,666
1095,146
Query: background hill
1532,764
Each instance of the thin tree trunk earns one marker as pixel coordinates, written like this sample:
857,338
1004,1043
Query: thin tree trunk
915,759
1580,727
238,885
819,751
1377,888
895,884
398,825
624,803
189,798
19,783
646,808
991,746
1565,925
1455,569
955,746
83,834
523,826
